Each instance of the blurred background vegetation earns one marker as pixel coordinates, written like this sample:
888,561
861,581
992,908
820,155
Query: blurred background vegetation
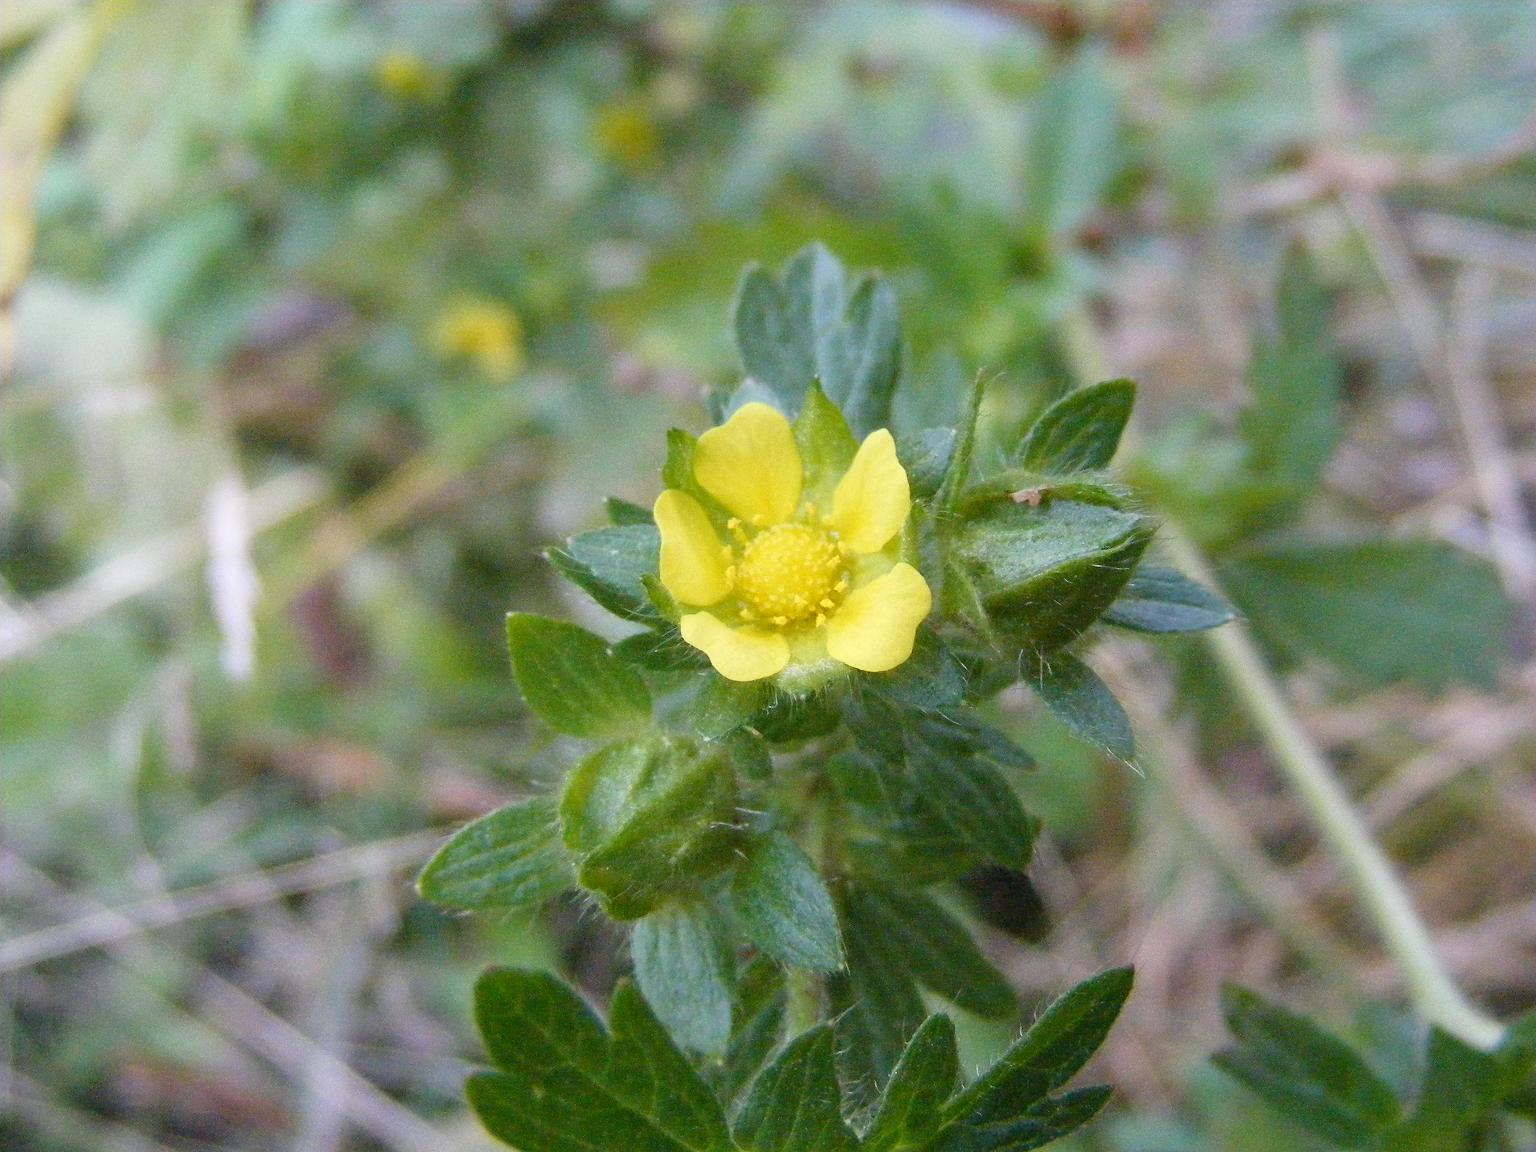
322,318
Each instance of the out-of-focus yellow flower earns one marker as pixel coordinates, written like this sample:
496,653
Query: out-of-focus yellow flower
486,332
796,584
406,76
627,134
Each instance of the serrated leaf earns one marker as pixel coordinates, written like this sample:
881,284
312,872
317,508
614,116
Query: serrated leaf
1048,1055
1382,610
1081,431
1161,600
1037,1126
1072,149
934,947
573,681
683,967
809,327
757,1023
795,1105
566,1085
1308,1074
877,1006
511,858
1079,699
1293,424
911,1107
611,564
784,906
974,800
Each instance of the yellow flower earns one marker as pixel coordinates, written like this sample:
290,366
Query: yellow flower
486,332
796,583
626,133
406,76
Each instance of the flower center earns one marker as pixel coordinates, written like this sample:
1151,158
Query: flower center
789,573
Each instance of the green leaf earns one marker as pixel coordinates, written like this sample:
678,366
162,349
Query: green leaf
973,799
911,1108
934,947
1047,1056
1038,1125
649,820
931,679
784,906
796,1105
1080,700
1293,424
1073,148
757,1023
1081,431
611,564
565,1085
572,679
661,650
809,327
511,858
1304,1072
876,1003
1382,610
683,967
926,456
722,706
1165,600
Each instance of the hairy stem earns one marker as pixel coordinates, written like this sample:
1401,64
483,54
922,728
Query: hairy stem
1377,885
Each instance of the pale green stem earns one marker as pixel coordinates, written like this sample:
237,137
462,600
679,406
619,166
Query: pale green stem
1435,994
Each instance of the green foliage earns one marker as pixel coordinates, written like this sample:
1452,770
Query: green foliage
1380,610
512,858
812,325
1323,1085
1080,700
573,680
685,969
1081,431
784,906
1160,600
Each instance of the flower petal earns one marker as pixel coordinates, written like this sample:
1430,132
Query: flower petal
874,628
873,498
692,557
751,465
736,653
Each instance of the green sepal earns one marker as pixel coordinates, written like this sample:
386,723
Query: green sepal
511,858
648,820
661,649
784,907
1044,575
826,445
677,469
1079,432
1159,600
573,680
684,966
565,1084
1079,699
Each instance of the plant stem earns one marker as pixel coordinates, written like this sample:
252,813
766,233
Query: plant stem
1435,994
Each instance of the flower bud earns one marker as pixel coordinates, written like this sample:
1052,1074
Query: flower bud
649,819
